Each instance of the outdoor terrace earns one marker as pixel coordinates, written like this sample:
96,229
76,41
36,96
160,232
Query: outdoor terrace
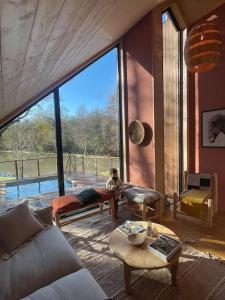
80,172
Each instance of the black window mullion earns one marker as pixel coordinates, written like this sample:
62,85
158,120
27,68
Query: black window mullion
59,149
120,92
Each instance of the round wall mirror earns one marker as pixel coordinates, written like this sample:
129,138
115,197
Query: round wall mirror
136,132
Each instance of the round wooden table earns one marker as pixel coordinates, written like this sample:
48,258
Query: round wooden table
139,257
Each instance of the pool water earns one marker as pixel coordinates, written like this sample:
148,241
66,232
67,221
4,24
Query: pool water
29,188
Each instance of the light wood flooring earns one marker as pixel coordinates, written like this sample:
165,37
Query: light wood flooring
207,240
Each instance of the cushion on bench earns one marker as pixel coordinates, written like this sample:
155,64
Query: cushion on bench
141,194
88,196
105,194
65,204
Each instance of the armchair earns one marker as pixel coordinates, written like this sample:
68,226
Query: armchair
199,198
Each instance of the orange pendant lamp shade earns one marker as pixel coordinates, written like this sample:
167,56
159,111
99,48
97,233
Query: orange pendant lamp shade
203,48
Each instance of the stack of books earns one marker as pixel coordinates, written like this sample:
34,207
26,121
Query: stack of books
131,227
164,247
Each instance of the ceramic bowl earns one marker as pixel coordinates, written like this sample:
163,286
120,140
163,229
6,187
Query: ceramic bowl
136,239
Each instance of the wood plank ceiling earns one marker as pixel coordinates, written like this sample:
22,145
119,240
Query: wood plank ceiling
44,40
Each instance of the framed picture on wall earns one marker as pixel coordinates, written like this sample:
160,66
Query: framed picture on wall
213,128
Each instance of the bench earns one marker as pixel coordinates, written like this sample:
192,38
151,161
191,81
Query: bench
69,204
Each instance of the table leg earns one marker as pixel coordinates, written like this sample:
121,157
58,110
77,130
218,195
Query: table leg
127,277
173,271
113,209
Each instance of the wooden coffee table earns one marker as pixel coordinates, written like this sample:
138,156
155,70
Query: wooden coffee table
139,257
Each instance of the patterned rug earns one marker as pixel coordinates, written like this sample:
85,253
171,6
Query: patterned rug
200,275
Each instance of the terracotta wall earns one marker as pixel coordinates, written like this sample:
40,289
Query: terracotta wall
138,65
207,92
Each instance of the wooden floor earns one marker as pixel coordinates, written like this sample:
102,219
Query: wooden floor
207,240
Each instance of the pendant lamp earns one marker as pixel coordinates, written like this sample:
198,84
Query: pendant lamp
203,47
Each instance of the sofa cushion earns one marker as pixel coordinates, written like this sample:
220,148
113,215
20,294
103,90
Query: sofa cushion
17,225
41,261
65,204
79,285
44,215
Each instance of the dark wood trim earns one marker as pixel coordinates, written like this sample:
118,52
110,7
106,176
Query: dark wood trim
173,18
181,113
59,148
120,92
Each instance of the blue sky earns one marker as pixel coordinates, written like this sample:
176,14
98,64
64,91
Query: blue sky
93,86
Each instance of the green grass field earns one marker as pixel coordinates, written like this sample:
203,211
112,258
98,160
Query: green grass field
7,178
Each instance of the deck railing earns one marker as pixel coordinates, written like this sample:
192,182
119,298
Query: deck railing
45,166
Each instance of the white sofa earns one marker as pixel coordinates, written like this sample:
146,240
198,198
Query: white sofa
47,268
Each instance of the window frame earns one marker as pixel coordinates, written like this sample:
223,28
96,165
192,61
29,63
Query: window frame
56,100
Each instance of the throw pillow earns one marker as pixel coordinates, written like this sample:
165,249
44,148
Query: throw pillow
16,226
44,215
88,196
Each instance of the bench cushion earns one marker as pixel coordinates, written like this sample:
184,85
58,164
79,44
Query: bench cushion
79,285
141,194
88,196
66,204
105,194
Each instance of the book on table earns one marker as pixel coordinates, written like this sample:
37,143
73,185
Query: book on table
131,227
164,247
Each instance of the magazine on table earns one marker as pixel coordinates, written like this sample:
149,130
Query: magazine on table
131,227
164,247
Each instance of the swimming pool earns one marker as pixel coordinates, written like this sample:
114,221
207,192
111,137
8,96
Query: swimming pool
28,188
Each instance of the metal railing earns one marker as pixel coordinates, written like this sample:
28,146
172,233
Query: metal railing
45,166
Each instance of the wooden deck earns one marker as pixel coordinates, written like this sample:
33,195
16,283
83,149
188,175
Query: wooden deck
87,179
83,181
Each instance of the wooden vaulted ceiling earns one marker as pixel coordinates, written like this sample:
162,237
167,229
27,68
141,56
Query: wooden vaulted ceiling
44,41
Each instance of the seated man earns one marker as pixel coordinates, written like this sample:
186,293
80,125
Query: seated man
114,183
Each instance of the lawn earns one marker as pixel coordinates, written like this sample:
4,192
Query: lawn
7,178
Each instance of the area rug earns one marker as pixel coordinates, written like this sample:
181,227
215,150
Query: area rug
200,275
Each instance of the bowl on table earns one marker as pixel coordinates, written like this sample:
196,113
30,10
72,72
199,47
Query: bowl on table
136,239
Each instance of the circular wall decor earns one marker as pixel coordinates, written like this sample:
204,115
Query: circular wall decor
136,132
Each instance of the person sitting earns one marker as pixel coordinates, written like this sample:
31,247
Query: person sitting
114,183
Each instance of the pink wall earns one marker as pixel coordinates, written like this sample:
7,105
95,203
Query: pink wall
137,45
207,92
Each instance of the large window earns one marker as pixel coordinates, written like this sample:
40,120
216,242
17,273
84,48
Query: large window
86,108
171,81
90,121
28,155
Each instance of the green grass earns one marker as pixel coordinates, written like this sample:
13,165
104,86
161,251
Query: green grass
7,178
106,173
